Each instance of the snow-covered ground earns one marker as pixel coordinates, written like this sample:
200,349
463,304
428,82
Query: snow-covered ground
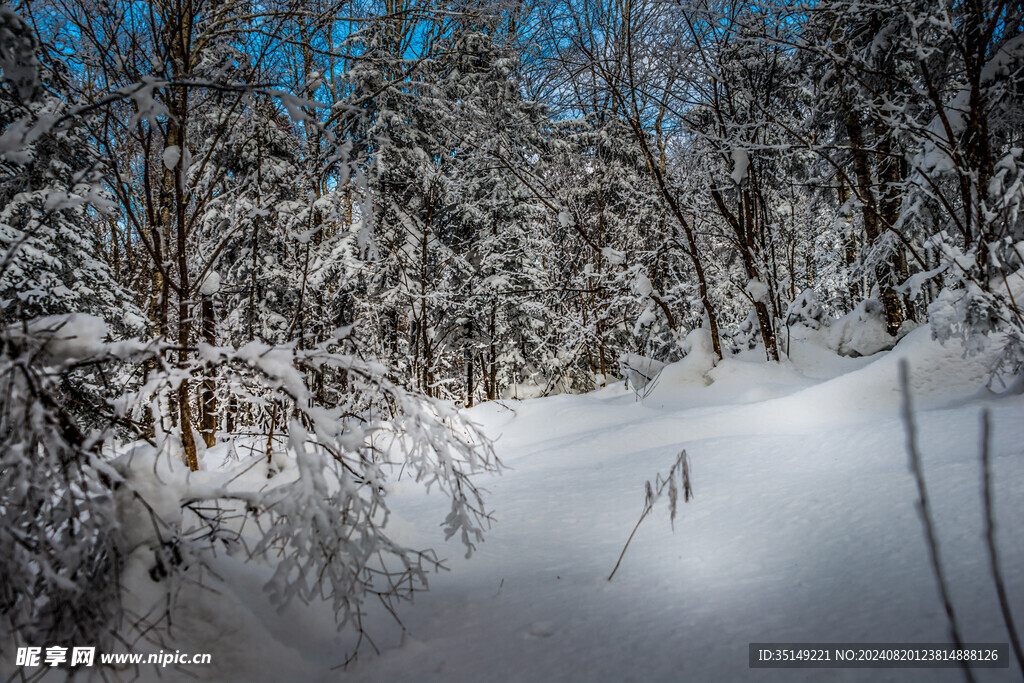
803,528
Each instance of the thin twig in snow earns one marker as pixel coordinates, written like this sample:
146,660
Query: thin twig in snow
924,511
990,538
683,466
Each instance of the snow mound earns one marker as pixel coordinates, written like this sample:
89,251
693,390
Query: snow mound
809,351
862,331
691,371
737,381
222,617
940,375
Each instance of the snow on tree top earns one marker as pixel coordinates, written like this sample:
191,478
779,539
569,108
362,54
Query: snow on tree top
210,284
172,155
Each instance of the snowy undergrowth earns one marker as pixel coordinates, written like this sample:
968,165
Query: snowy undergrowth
803,528
121,545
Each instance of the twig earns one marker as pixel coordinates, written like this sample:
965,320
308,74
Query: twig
924,510
990,538
683,466
647,510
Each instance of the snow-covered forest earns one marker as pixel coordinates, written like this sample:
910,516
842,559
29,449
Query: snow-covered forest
310,306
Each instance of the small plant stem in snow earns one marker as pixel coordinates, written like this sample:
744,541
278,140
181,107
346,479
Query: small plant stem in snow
924,510
990,538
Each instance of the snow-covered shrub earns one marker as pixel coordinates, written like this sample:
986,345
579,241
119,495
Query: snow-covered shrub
692,370
639,370
980,303
806,310
969,205
60,542
326,529
79,507
861,332
748,334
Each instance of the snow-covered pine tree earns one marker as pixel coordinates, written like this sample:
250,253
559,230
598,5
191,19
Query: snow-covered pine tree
54,241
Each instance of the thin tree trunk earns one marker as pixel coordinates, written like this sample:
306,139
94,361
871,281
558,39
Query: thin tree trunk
208,406
180,51
744,240
492,384
849,246
862,172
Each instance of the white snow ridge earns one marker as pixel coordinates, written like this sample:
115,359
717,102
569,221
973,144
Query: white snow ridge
803,528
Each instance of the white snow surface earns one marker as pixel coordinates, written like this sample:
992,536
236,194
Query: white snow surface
803,528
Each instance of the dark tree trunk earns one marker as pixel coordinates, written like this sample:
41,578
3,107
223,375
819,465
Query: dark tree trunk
208,405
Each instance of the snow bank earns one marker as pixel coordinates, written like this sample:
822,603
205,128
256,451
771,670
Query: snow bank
692,370
862,331
940,375
803,526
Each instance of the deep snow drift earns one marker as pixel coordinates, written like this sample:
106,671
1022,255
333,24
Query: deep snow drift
803,528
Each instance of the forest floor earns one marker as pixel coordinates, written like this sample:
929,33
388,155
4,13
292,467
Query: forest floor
803,528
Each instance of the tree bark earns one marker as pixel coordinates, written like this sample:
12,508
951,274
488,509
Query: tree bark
862,172
208,406
740,223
